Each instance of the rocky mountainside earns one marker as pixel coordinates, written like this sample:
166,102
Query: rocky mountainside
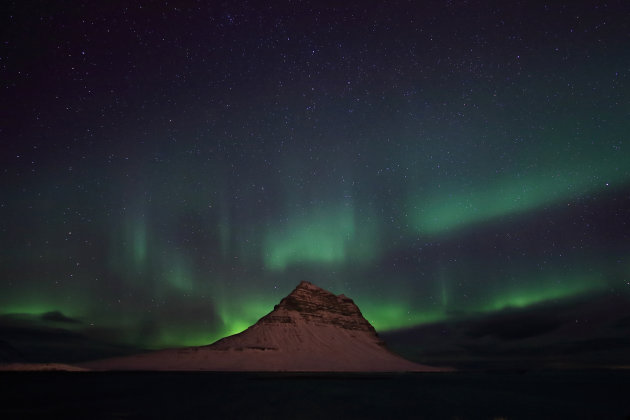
310,330
306,309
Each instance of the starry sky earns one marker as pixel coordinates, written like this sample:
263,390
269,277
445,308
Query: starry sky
171,170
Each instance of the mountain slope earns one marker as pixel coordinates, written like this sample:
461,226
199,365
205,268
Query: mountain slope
311,330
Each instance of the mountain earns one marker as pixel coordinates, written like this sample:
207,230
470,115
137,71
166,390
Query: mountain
310,330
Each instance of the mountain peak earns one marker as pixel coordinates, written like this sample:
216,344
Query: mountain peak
307,285
312,304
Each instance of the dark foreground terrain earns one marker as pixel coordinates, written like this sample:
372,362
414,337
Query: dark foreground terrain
570,395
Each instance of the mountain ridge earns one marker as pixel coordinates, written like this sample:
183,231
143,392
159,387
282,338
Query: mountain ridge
310,330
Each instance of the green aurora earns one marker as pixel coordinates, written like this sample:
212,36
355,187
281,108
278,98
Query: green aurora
328,237
235,314
167,187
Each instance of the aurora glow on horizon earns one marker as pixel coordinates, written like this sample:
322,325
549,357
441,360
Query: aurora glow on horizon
168,175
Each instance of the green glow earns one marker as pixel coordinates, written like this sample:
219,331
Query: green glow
35,303
235,326
178,274
36,309
386,316
443,288
224,238
237,318
139,244
443,211
181,336
399,313
224,229
328,236
444,294
550,288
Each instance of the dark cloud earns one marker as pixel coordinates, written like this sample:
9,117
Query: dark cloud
514,326
31,338
597,345
623,323
548,335
58,316
55,337
9,354
26,327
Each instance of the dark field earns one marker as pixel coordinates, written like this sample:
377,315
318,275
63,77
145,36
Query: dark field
570,395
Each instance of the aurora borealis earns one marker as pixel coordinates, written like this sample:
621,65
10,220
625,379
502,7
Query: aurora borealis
170,172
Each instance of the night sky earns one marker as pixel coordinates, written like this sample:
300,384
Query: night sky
170,171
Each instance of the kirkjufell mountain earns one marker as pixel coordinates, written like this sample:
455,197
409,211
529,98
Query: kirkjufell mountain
310,330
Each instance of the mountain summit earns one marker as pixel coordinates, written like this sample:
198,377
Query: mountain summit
310,330
306,311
